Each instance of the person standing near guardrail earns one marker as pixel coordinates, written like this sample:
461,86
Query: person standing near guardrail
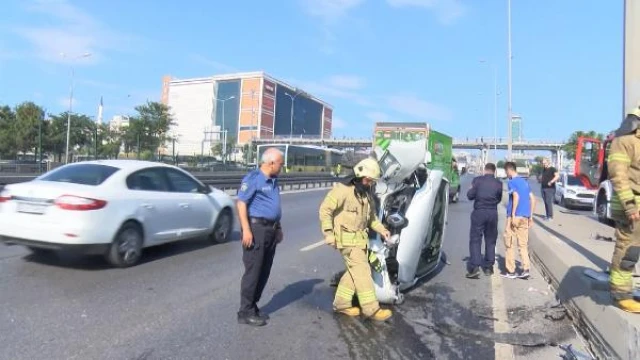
259,211
486,193
624,172
519,219
548,181
346,214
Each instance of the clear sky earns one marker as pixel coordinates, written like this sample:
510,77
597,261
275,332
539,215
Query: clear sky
373,60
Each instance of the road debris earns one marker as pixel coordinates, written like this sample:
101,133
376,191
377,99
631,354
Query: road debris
573,354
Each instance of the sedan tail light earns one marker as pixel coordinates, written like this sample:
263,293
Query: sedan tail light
4,197
77,203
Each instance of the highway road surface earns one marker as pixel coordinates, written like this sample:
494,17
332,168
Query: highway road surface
181,303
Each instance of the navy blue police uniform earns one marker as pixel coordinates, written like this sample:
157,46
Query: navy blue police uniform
486,193
262,196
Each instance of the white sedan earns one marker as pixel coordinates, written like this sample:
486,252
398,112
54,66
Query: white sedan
112,207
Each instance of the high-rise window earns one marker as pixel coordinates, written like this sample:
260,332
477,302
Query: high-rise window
225,90
307,114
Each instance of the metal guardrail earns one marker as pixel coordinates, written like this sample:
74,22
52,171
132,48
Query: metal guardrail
207,178
285,183
291,183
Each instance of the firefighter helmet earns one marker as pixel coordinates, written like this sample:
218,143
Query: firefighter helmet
367,168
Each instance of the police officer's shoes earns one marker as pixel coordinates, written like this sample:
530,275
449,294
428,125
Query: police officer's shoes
251,319
473,273
628,305
262,315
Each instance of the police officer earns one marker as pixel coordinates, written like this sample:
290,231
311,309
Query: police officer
624,173
486,191
345,216
259,212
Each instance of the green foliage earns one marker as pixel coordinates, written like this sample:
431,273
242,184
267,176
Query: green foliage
572,143
500,164
20,128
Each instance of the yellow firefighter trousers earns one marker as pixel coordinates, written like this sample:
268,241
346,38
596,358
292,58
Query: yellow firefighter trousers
356,280
625,257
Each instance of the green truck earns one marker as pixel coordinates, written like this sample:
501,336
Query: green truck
439,145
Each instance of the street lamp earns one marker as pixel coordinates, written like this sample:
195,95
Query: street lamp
66,156
293,98
495,106
509,56
224,144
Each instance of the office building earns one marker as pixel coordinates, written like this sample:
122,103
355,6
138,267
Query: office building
516,128
246,105
119,121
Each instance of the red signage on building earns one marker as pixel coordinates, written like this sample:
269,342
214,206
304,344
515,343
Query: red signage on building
269,88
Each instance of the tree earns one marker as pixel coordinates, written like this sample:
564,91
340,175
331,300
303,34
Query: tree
80,136
109,142
28,115
500,164
216,149
572,143
7,132
148,130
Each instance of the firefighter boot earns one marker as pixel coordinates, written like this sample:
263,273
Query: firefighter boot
628,305
381,315
351,311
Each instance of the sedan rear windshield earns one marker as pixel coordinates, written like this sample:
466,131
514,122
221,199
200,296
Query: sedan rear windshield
85,174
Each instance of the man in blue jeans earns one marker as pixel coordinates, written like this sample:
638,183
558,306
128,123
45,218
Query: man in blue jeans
519,211
486,193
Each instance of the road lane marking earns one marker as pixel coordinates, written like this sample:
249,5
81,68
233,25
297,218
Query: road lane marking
502,351
313,246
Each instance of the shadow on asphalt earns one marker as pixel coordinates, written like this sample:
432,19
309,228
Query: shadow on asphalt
149,255
290,294
597,260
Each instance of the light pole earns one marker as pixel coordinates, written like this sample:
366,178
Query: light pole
293,98
509,56
66,156
495,107
224,143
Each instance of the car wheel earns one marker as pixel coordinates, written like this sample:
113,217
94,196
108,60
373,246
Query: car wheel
456,196
223,227
563,202
38,252
126,248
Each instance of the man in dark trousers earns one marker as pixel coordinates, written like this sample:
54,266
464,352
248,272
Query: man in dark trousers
486,193
548,180
259,211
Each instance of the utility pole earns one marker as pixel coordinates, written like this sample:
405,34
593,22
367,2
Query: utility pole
510,114
66,161
40,141
293,98
224,146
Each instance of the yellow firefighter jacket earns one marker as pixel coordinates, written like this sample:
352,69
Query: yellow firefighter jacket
624,172
346,217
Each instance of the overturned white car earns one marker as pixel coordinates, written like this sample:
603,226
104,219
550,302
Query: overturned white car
412,202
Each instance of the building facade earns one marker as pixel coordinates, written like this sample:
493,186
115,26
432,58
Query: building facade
246,106
516,128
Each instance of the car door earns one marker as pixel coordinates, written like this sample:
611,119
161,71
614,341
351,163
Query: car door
560,187
194,208
155,207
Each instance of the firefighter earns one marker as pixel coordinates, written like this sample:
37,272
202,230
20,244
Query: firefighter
624,173
346,214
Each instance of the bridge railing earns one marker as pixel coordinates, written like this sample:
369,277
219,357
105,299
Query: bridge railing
502,141
456,141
